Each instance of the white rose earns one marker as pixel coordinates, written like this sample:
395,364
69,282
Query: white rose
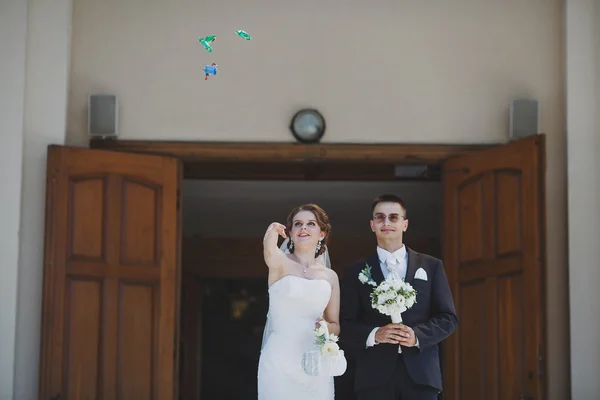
320,331
410,302
384,286
400,300
362,277
330,349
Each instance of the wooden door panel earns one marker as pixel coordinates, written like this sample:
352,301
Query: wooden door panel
140,223
471,336
82,338
470,214
136,342
492,250
111,280
86,231
508,213
511,342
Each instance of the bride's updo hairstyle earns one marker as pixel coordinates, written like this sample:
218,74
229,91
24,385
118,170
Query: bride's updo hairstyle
322,221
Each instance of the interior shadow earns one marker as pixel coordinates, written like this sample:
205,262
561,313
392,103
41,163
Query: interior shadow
233,318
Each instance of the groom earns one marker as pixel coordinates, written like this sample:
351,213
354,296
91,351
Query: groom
396,361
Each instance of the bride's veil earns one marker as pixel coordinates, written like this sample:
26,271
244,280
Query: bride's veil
323,259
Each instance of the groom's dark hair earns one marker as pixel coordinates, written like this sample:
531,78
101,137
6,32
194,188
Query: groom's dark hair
389,198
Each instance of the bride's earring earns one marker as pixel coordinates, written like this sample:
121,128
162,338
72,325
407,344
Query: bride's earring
318,246
290,245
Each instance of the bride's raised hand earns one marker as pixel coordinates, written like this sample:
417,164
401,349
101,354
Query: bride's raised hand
274,256
277,228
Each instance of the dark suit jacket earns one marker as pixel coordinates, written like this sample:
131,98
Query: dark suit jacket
432,317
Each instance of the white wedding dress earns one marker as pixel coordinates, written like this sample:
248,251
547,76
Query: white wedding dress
294,305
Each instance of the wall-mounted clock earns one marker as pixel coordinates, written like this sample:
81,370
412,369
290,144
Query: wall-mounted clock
308,125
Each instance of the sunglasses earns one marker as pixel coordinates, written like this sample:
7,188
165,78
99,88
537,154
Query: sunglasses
382,217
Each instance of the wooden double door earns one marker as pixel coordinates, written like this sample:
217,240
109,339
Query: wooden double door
112,274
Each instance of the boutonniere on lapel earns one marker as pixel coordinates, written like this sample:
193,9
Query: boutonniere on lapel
391,297
365,276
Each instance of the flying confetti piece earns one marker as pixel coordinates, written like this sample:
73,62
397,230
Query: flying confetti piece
210,70
243,35
207,46
206,42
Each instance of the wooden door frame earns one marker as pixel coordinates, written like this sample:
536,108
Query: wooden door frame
199,151
292,161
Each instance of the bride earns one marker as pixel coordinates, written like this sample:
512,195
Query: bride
302,292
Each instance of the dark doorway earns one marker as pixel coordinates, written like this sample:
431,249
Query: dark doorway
233,317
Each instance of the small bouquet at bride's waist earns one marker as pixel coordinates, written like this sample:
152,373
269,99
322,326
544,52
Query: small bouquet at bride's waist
327,342
328,359
391,297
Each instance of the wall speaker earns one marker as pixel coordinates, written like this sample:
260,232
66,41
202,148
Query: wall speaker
524,118
103,115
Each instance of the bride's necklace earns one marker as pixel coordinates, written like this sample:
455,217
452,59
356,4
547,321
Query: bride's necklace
304,269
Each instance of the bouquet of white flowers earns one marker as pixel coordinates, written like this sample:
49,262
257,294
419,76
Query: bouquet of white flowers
329,359
327,343
391,297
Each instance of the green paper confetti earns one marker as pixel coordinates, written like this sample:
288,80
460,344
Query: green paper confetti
243,34
205,42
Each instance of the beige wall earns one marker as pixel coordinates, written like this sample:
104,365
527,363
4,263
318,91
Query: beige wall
13,18
46,93
388,71
34,69
583,144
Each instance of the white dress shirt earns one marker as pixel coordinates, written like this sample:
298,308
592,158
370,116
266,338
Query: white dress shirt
397,260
